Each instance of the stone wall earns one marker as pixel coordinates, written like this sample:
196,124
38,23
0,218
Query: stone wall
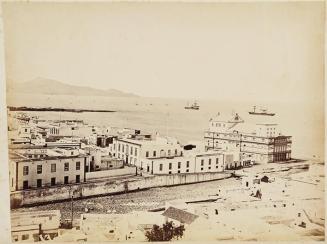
60,193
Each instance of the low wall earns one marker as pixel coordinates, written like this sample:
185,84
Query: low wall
60,193
110,173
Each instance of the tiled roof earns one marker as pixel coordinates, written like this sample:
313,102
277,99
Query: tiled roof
180,215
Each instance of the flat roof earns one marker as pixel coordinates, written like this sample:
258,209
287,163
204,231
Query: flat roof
44,213
24,159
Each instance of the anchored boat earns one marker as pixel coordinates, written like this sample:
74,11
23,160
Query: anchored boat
261,112
194,106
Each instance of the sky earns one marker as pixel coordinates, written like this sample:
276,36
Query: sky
266,51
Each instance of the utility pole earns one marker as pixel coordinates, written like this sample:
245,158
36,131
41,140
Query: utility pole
72,207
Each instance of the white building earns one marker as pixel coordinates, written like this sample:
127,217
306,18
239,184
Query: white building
46,171
35,226
188,163
259,142
136,147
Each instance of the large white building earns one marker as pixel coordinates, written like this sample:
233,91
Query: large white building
162,155
259,142
188,163
135,147
46,168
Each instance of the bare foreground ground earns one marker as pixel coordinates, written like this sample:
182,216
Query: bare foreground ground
275,213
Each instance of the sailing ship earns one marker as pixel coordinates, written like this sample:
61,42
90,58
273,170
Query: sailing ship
194,106
260,112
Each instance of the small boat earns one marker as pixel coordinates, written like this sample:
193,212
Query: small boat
261,112
193,106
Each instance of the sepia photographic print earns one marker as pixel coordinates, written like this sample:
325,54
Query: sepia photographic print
163,121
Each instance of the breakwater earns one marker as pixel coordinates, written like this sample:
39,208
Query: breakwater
50,109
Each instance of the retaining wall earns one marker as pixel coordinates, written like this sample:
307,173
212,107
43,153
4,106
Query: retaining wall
59,193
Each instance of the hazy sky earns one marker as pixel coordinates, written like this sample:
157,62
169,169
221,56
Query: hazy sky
269,51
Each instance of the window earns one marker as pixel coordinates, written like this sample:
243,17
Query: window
25,130
187,164
39,169
160,167
147,154
25,170
53,168
118,146
66,179
122,147
217,160
179,165
201,168
202,162
178,171
15,238
135,151
66,167
170,165
209,161
169,172
169,152
175,151
78,165
131,151
187,170
72,153
53,181
39,182
25,184
154,153
216,167
78,178
25,237
209,167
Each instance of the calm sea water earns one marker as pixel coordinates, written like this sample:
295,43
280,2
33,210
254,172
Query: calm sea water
305,122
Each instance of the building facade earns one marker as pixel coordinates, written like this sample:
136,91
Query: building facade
256,142
26,173
189,163
138,147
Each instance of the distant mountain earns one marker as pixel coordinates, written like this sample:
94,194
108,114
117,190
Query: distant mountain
54,87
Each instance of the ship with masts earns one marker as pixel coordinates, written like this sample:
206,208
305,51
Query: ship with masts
194,106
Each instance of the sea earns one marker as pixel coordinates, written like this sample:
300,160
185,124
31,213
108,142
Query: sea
167,116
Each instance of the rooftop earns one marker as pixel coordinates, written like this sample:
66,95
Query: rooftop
180,215
156,140
233,118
